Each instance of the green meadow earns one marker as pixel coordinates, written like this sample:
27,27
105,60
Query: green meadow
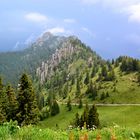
124,116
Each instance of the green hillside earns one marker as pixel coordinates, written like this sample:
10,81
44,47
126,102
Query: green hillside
109,116
13,64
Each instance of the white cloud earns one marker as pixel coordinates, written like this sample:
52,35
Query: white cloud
69,20
130,8
36,17
133,13
133,38
88,31
58,30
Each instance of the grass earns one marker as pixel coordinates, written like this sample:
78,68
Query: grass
118,123
35,133
125,116
127,90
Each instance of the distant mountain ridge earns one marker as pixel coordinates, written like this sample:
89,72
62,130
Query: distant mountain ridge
66,67
12,64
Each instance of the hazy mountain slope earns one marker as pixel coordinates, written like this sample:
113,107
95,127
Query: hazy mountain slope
12,64
64,66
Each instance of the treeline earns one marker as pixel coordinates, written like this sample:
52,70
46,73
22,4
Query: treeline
128,64
22,106
51,107
89,119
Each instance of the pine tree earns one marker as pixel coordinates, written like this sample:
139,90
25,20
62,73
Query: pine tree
81,123
107,94
2,116
80,103
78,91
103,96
104,71
93,119
12,103
86,81
93,72
85,114
54,108
69,104
3,103
91,91
28,110
77,120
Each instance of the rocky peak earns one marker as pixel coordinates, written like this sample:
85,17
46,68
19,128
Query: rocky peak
46,36
66,51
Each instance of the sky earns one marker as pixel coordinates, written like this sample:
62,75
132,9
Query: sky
109,27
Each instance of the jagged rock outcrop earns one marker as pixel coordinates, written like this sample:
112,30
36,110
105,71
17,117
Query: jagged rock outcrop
47,68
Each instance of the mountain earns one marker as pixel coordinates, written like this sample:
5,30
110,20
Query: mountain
65,67
12,64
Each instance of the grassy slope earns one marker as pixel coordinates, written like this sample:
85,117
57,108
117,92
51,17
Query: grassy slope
126,90
123,116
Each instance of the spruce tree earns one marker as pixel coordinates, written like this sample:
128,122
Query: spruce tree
2,116
69,104
78,91
54,108
12,103
85,114
77,120
93,119
91,91
81,123
93,72
80,103
27,110
86,81
104,71
3,103
103,96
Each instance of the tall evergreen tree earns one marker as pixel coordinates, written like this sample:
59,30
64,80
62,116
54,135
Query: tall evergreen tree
54,108
86,81
91,91
104,71
93,72
84,116
78,91
12,103
2,103
93,119
69,104
2,116
80,103
28,110
77,120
